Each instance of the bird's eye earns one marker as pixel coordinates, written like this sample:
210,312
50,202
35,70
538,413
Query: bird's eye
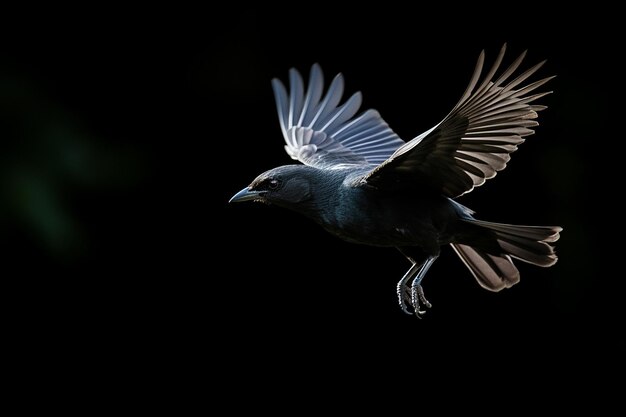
273,184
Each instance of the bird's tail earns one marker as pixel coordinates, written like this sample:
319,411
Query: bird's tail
489,257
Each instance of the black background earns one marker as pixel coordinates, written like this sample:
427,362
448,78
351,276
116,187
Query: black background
171,112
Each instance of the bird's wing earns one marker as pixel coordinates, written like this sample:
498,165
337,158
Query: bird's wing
473,142
322,133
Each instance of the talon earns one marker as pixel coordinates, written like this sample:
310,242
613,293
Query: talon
404,299
415,301
420,294
401,298
417,298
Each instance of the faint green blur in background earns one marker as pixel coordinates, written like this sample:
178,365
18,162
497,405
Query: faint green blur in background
54,172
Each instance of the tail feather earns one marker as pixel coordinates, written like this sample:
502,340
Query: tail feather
494,268
543,233
492,272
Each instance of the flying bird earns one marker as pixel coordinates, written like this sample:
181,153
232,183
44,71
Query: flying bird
363,183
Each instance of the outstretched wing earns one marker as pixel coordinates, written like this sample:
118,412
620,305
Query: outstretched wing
474,140
324,134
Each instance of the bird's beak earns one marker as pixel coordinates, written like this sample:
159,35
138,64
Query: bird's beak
245,195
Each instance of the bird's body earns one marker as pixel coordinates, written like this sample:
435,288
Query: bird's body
384,219
365,185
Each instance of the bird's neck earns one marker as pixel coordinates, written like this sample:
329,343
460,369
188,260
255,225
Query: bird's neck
326,190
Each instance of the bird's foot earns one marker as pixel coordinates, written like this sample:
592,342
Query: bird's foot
413,297
403,297
417,298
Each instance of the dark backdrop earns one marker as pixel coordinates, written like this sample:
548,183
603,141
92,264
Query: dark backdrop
124,138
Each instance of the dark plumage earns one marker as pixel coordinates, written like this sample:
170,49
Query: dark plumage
362,183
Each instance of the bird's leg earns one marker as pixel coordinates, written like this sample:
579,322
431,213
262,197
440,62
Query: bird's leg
405,293
401,288
417,292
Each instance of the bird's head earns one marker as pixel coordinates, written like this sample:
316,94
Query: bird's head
287,186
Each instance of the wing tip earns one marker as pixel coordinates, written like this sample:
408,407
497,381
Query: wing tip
523,54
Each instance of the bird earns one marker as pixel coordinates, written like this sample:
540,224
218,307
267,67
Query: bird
364,184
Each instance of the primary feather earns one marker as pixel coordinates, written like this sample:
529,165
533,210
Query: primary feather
475,140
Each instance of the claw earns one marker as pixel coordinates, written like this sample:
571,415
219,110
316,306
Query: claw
417,295
400,290
420,294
